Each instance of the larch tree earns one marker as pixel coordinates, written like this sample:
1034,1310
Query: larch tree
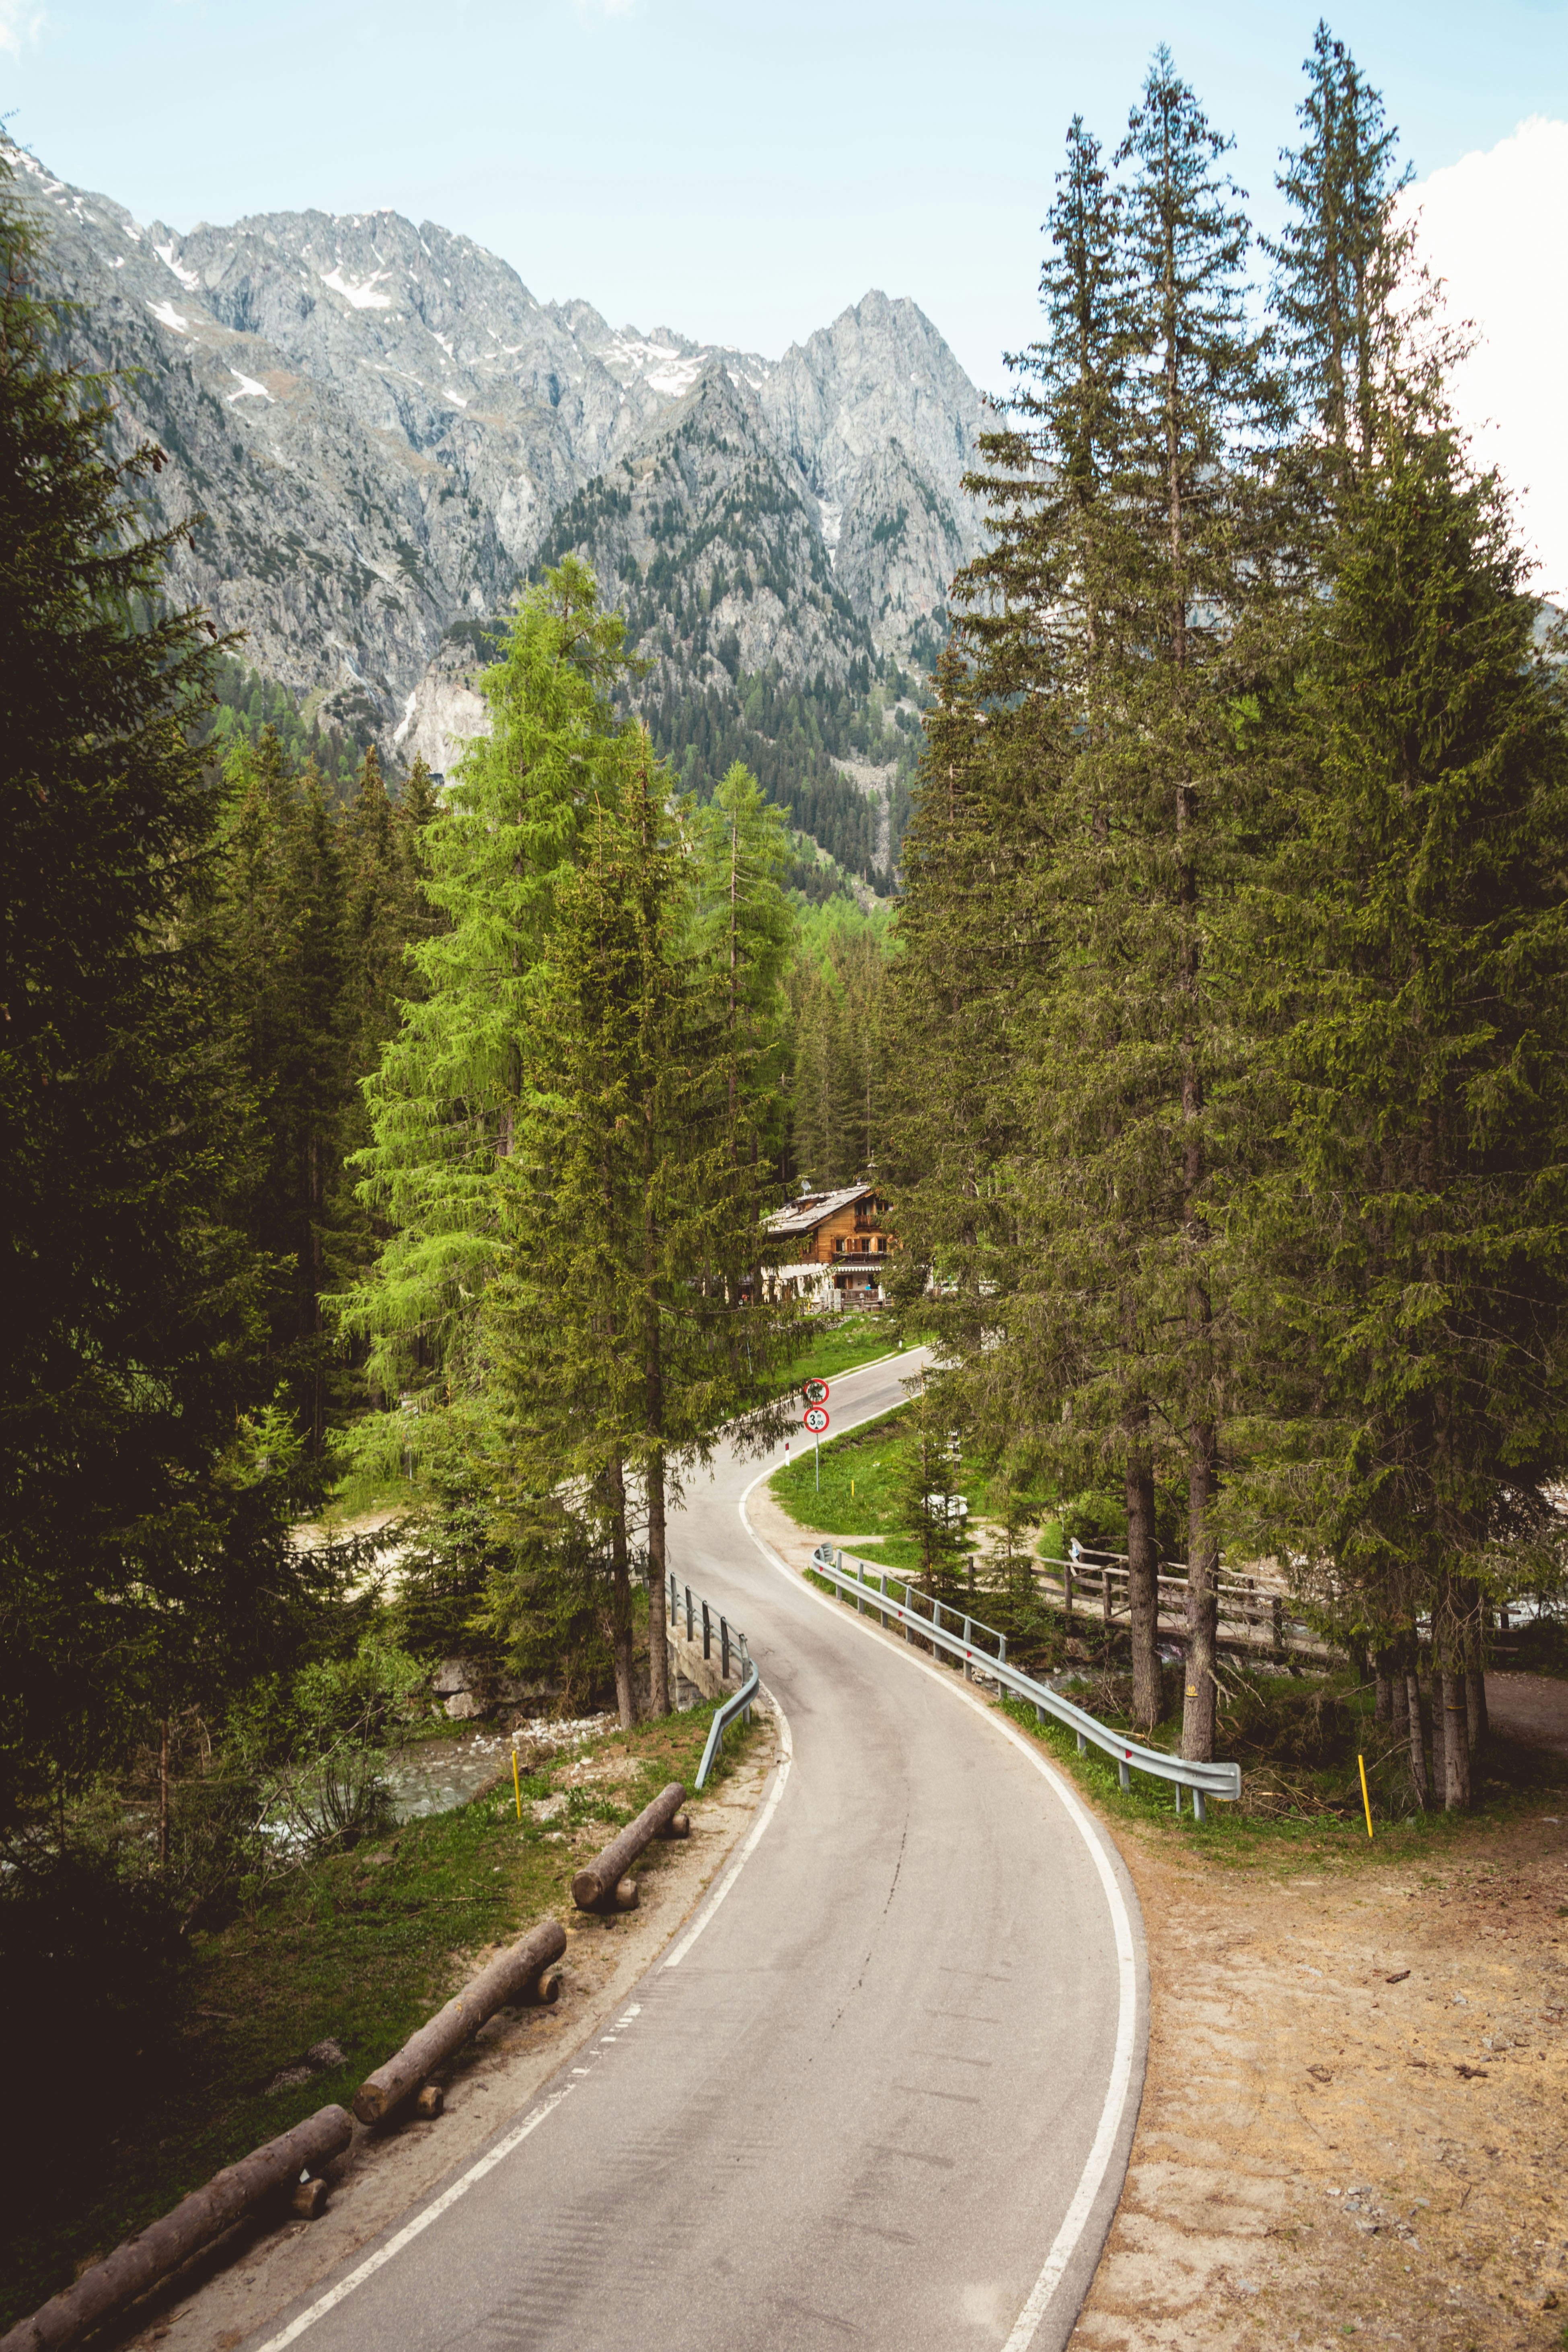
443,1102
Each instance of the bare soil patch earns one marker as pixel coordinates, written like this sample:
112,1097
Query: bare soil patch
1532,1708
1323,2152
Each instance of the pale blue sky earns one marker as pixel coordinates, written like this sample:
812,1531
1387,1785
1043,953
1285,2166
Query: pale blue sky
739,172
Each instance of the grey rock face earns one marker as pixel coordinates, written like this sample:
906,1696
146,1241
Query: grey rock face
878,413
375,429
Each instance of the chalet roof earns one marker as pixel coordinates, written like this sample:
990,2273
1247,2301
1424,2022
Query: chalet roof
804,1214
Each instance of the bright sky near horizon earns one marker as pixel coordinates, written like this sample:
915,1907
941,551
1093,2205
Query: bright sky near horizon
742,172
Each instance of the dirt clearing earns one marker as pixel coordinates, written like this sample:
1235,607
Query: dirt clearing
1323,2152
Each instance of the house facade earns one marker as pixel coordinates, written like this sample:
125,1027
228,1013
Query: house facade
838,1246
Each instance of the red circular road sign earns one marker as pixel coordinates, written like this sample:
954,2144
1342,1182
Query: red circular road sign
814,1391
816,1420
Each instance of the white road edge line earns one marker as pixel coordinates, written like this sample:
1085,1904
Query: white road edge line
1076,2218
531,2121
754,1837
421,2221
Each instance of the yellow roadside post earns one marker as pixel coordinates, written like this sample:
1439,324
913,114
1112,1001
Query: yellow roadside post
516,1783
1366,1800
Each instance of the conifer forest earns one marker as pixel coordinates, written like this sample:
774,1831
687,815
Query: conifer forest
388,1152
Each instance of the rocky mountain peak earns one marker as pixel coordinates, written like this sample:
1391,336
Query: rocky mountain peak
382,429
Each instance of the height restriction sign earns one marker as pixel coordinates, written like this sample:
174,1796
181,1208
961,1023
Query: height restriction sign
814,1391
815,1419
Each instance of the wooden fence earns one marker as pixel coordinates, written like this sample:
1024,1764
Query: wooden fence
1255,1614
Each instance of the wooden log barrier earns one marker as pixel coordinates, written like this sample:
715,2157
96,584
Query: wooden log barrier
143,2261
597,1887
513,1975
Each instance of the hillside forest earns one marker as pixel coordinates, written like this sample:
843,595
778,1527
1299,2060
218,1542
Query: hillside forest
375,1145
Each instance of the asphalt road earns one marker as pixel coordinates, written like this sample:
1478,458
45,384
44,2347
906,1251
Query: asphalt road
882,2092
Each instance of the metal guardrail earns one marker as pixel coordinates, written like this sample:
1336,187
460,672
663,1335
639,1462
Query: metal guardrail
741,1704
967,1646
698,1616
731,1643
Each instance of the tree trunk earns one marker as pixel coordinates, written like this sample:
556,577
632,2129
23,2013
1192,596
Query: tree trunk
1202,1602
164,1796
597,1882
1383,1666
657,1591
514,1974
1456,1741
1475,1706
1418,1739
1476,1626
1142,1585
1399,1698
159,2249
621,1597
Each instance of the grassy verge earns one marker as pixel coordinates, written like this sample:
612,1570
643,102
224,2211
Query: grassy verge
864,1475
359,1948
838,1343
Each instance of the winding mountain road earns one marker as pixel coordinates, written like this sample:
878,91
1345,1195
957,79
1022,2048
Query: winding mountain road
879,2092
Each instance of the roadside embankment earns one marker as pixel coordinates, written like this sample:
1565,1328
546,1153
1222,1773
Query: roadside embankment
365,1947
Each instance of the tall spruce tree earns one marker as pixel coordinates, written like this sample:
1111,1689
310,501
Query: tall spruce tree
1108,737
143,1532
1338,262
746,933
1410,1249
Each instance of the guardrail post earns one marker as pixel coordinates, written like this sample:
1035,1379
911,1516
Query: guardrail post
707,1632
1199,1813
968,1676
1122,1774
1082,1745
724,1647
909,1612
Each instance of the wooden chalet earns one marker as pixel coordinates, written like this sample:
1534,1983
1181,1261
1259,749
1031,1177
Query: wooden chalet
840,1249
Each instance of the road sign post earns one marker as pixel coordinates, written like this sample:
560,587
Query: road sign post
816,1420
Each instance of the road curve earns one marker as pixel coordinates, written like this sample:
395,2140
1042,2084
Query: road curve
882,2097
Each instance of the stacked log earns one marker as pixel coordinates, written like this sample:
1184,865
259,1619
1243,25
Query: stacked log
603,1883
144,2261
515,1975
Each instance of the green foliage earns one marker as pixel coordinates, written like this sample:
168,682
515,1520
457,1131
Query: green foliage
842,1079
443,1102
144,1506
1411,1235
1234,922
245,706
308,921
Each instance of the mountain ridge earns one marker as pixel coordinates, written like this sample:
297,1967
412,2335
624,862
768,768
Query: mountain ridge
377,427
